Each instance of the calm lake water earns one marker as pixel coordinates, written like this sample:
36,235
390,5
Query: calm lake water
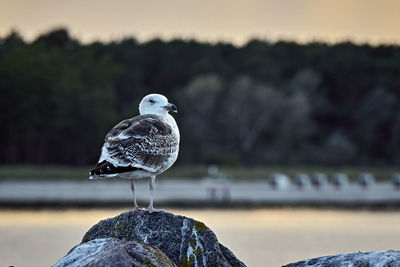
259,237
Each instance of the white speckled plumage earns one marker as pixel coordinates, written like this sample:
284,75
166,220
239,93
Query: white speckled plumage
140,147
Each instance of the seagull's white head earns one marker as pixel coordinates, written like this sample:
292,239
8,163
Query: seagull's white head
156,104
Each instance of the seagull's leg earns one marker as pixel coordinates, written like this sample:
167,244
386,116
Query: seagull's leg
152,186
136,207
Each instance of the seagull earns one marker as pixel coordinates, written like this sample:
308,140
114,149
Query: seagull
140,147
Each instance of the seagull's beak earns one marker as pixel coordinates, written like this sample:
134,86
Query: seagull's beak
171,107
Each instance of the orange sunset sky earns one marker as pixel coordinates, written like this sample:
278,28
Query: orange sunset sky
372,21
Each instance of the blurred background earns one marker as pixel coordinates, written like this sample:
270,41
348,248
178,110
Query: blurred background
284,106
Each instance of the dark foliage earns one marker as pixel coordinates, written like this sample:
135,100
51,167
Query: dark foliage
264,102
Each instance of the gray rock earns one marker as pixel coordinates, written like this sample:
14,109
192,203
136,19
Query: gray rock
387,258
114,252
186,242
319,180
278,180
302,180
366,180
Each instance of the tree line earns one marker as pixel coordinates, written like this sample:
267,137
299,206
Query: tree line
260,103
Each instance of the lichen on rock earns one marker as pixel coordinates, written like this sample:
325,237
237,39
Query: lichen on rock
199,226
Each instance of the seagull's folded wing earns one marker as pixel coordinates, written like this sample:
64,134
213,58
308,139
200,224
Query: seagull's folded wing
143,142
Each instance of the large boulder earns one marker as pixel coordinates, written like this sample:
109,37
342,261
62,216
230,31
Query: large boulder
387,258
114,252
185,241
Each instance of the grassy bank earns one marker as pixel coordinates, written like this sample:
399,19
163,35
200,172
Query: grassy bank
50,172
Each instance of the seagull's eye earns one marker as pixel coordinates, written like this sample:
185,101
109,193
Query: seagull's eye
151,101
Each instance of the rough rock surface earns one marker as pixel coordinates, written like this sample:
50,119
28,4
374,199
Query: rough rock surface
186,242
114,252
387,258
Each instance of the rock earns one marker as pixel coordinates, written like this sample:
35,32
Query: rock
114,252
185,241
387,258
319,180
278,180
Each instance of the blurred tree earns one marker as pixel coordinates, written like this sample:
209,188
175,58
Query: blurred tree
14,38
260,103
246,110
374,119
58,105
395,144
199,102
245,122
337,149
59,38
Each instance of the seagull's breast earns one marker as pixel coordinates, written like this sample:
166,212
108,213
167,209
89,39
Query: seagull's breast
174,148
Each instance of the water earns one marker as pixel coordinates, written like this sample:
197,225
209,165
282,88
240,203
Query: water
260,237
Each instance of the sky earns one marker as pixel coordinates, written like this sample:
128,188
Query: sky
236,21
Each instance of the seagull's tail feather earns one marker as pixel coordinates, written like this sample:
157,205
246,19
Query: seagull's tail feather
104,176
105,169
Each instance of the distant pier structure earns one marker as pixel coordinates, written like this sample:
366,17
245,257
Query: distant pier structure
319,180
302,180
340,180
366,180
278,180
217,184
396,180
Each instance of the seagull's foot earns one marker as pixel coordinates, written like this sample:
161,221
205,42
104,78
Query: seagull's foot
153,210
136,208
